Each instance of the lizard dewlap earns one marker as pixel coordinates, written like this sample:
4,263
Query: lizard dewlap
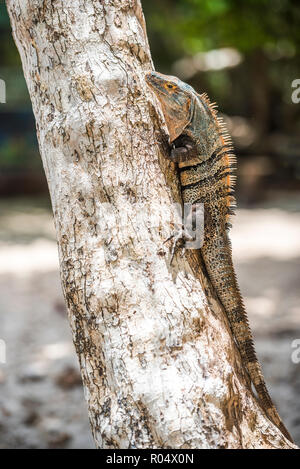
202,148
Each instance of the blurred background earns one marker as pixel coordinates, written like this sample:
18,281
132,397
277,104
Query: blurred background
245,56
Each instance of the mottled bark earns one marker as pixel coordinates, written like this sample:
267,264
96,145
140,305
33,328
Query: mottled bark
159,366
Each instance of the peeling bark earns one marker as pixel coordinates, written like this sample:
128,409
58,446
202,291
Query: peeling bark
159,366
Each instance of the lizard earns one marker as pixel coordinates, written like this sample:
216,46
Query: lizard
202,148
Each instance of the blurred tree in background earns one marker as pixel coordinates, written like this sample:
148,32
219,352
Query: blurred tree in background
243,54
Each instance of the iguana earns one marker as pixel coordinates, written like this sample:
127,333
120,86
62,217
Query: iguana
203,150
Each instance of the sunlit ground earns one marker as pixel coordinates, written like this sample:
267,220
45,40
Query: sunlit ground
41,400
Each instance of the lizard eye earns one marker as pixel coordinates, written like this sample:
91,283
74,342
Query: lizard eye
170,86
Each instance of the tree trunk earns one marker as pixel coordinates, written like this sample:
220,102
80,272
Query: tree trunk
159,366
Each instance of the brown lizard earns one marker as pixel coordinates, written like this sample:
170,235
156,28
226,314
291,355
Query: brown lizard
203,150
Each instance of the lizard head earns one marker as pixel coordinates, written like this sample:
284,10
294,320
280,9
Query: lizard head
176,99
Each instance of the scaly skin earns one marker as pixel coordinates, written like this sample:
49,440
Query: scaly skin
203,151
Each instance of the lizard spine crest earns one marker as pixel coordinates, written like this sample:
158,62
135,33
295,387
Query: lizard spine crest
229,158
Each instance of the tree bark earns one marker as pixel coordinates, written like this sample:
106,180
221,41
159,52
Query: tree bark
159,365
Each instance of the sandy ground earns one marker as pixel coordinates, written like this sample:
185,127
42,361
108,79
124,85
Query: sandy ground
41,398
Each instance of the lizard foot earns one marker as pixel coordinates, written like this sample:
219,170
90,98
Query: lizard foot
183,149
178,241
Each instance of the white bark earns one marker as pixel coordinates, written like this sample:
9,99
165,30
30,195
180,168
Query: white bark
158,362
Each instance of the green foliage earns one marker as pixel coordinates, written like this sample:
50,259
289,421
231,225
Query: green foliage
201,25
19,153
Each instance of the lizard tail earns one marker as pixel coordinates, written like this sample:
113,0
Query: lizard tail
250,360
217,256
